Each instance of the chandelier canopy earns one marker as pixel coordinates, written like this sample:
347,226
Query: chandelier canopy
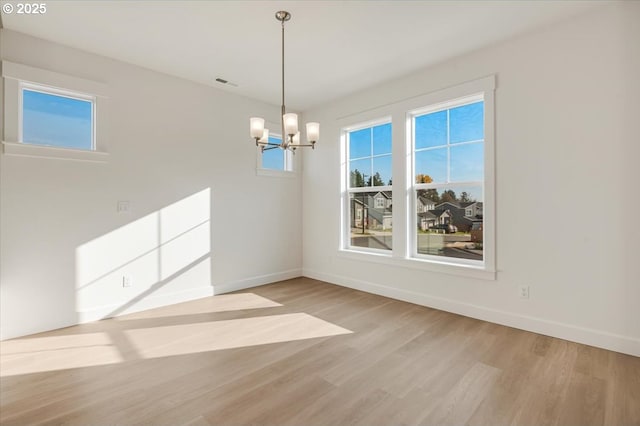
289,121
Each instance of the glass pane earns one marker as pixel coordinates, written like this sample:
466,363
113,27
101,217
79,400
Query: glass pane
371,219
449,222
431,129
382,139
467,162
360,143
382,170
467,123
273,158
56,120
431,166
360,173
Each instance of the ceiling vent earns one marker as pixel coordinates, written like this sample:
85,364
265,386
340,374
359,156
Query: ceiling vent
227,82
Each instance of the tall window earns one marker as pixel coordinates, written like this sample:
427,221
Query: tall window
448,176
369,187
50,117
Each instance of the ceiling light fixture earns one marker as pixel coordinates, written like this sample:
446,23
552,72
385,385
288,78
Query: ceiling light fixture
289,121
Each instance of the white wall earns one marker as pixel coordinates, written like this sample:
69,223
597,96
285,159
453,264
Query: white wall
200,217
567,147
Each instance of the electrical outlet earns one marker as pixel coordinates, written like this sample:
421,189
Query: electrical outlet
524,291
127,281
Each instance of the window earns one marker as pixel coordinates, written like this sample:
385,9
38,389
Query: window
448,170
369,194
275,158
274,161
53,115
50,117
444,218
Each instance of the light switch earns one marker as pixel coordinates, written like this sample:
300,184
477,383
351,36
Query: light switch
123,207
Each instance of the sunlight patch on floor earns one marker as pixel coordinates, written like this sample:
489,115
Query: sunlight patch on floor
219,303
217,335
40,354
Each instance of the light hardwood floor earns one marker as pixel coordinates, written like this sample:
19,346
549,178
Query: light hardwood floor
304,352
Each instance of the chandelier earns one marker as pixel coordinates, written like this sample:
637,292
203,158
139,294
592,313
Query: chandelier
289,121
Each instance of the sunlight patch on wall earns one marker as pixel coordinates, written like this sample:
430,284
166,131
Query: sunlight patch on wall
219,303
148,253
40,354
218,335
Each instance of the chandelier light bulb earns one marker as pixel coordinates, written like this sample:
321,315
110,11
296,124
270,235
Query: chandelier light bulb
265,137
290,123
313,132
256,127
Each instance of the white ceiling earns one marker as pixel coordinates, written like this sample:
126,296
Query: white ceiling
333,47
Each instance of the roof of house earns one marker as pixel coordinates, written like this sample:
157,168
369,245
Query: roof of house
424,200
450,203
440,212
427,215
467,204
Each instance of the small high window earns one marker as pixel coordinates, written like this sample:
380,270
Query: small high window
274,158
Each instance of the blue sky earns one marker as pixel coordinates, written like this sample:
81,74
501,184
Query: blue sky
274,158
372,141
445,147
56,120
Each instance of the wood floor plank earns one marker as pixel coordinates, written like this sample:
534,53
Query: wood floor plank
272,355
459,404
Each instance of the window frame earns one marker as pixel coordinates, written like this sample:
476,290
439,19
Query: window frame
49,90
345,229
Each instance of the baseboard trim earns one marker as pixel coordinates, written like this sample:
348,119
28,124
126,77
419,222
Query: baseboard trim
158,301
256,281
149,302
602,339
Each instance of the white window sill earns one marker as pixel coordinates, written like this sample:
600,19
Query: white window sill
276,173
26,150
421,264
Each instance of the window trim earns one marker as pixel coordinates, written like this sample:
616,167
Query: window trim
403,179
345,238
16,76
